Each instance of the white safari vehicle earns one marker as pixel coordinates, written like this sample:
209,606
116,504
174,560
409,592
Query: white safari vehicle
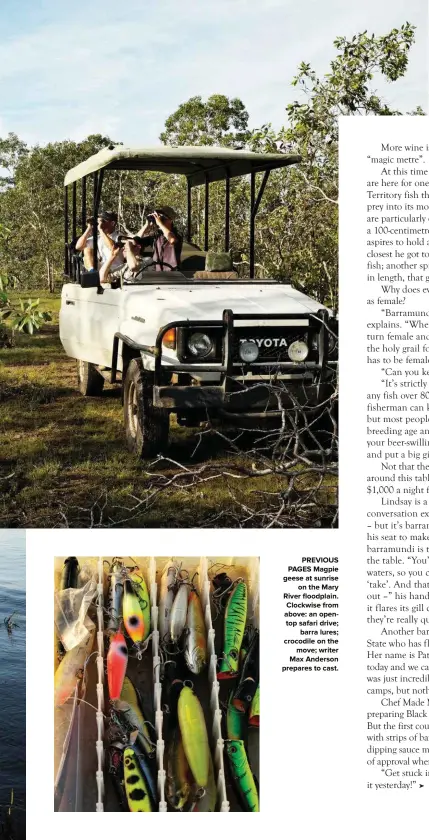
199,340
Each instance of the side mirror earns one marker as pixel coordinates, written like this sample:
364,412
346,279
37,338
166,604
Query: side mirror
90,279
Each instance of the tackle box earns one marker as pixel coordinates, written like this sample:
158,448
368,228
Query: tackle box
88,785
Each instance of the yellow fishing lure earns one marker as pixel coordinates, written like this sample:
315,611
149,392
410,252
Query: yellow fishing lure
135,786
194,735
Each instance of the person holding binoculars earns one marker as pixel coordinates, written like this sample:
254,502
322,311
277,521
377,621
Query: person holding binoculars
160,232
106,242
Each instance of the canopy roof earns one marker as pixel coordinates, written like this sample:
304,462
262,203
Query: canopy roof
196,162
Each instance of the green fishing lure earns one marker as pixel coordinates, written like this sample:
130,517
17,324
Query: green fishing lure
236,722
254,710
242,775
234,626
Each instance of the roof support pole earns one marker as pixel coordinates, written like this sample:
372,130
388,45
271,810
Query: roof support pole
66,230
252,227
254,206
227,208
95,228
97,185
83,206
189,209
74,210
206,214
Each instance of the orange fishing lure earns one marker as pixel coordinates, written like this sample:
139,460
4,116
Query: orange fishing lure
117,660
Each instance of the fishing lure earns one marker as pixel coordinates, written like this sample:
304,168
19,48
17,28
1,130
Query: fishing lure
70,670
69,579
207,802
166,598
132,613
242,775
178,781
249,676
141,590
254,710
234,624
148,769
178,612
117,659
235,722
114,601
70,573
136,787
194,735
130,709
196,640
116,771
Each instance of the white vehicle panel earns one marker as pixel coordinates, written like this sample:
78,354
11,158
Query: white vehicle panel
89,320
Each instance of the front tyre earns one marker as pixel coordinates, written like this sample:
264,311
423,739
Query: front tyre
90,381
146,427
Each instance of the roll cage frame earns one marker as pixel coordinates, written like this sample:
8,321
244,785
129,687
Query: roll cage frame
206,165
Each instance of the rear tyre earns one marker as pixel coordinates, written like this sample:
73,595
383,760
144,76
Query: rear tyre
146,427
90,381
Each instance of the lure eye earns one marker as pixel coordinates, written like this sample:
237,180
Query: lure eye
133,620
233,749
234,653
123,650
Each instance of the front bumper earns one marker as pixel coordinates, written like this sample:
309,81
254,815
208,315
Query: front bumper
269,388
307,385
257,398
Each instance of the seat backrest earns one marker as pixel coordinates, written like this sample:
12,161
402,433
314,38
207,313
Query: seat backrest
193,262
215,275
219,261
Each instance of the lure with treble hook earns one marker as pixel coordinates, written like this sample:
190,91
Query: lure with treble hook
178,612
196,635
242,775
114,601
207,802
132,614
234,626
166,598
194,735
70,669
249,676
130,709
141,590
117,659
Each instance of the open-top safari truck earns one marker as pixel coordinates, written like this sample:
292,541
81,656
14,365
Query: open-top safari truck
199,340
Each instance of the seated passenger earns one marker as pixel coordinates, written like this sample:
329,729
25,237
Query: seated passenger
131,251
106,239
160,232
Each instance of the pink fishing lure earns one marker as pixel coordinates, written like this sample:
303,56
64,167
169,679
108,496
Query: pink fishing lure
117,660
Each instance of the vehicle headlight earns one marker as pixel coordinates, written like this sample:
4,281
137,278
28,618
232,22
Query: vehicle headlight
297,351
200,344
332,340
248,351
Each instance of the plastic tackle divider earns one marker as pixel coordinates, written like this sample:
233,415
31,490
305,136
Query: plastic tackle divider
199,569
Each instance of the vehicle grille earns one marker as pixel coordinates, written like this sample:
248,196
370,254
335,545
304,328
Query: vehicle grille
269,339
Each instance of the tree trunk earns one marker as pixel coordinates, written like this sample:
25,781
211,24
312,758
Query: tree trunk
50,274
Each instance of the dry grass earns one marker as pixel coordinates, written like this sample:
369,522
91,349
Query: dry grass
63,460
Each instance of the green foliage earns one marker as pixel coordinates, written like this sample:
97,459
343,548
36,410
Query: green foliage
26,316
218,122
297,222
